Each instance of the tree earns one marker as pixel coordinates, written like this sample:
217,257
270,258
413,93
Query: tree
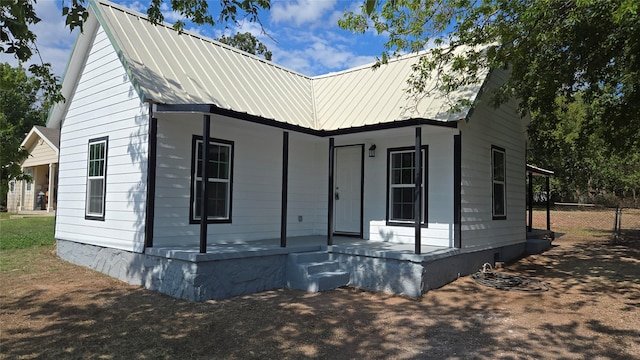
248,43
585,168
552,48
17,16
20,109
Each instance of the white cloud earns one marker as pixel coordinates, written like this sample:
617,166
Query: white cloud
246,26
300,12
136,6
319,54
54,40
170,16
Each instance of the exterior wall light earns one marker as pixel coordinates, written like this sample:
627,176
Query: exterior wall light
372,150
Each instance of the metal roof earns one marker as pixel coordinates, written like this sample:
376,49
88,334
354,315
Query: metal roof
172,68
180,69
538,171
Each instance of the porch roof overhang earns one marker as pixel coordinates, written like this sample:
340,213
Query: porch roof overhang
213,109
537,171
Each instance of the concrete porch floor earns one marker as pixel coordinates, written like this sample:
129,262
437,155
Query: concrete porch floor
341,245
31,213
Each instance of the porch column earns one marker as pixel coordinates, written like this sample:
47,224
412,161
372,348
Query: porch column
285,188
204,202
50,188
21,195
151,179
330,193
548,204
457,191
530,195
417,212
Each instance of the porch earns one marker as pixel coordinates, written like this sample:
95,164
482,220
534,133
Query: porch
236,268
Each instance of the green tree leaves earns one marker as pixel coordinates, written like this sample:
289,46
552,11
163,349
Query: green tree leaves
248,43
20,109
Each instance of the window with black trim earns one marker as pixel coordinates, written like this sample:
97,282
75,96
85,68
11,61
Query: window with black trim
96,178
498,181
401,185
219,182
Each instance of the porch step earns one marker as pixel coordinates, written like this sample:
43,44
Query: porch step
314,272
537,246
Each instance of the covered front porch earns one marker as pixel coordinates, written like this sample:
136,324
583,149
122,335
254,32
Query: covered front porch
293,181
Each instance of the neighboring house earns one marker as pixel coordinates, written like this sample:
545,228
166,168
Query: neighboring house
289,156
39,194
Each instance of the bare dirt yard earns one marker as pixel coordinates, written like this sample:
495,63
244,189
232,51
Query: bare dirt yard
54,310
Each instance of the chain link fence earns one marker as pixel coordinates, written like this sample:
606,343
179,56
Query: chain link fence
622,224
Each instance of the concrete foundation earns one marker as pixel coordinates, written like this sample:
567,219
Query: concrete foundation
413,275
238,270
185,275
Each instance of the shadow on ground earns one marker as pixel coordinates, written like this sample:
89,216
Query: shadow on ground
82,314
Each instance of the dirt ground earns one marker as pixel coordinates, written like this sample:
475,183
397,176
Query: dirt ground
591,311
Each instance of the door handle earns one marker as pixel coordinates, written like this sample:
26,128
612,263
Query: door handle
337,196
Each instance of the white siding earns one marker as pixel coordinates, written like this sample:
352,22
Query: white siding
13,197
439,231
501,127
257,182
104,104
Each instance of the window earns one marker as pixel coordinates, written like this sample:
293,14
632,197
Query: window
12,185
96,178
29,173
498,180
219,182
401,185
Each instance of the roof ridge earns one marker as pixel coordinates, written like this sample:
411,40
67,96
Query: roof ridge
200,37
369,66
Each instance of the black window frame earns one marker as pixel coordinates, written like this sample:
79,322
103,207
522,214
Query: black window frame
496,216
425,182
89,215
195,157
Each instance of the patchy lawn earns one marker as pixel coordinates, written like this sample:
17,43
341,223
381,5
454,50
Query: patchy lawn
52,309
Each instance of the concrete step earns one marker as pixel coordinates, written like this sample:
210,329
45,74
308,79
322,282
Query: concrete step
319,267
309,257
314,271
328,280
537,246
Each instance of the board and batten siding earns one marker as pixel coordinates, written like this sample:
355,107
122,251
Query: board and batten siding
504,128
104,104
257,182
40,154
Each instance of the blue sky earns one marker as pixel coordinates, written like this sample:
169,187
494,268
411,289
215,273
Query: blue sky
307,37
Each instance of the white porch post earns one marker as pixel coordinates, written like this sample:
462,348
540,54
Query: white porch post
50,188
21,196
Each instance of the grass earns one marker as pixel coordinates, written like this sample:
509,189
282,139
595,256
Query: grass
26,232
21,239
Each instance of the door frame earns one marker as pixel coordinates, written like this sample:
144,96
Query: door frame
335,168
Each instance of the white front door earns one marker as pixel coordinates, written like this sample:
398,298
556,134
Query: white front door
348,190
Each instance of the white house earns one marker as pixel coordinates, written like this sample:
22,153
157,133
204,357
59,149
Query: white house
289,156
38,194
